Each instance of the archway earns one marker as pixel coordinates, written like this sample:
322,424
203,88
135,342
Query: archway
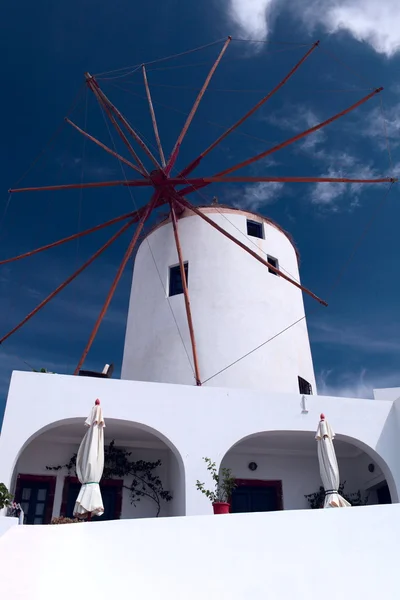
47,489
279,469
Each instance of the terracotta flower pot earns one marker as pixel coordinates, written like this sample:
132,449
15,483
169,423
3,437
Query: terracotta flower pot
221,508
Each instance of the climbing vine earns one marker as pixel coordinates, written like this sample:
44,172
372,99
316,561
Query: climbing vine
118,464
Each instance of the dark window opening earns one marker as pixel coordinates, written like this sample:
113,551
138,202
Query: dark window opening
274,262
305,387
255,229
175,279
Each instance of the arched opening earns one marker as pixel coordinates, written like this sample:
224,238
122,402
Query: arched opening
46,488
278,470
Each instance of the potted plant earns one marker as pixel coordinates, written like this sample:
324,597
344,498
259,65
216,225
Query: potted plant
224,486
5,496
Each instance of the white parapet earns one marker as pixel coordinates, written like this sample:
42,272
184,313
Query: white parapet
306,555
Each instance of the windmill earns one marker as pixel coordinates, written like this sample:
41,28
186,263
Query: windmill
154,173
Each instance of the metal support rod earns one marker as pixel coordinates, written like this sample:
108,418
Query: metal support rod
175,151
81,186
200,182
122,119
197,160
153,117
106,148
117,278
299,136
186,204
67,281
300,179
67,239
186,295
94,86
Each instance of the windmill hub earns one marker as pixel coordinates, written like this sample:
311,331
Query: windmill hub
158,177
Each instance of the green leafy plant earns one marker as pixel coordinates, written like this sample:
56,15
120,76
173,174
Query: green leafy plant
42,371
117,464
5,496
316,500
224,483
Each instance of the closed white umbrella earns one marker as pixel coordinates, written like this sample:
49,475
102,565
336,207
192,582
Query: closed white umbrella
328,466
90,465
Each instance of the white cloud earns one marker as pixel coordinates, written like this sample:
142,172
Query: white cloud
354,384
380,124
335,162
370,21
327,194
374,22
256,195
251,16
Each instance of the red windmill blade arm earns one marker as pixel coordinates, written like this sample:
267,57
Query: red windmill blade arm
110,106
299,136
145,215
200,182
175,151
68,239
106,148
94,86
289,141
186,295
80,186
67,281
153,117
183,202
197,160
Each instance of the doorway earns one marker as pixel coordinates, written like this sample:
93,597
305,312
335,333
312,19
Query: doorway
35,494
111,493
253,495
383,494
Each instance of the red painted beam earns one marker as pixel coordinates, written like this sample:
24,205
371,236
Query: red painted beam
153,117
66,282
79,186
197,160
106,148
175,151
147,212
67,239
183,202
299,136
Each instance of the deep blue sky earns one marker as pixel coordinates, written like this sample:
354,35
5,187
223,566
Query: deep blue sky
47,46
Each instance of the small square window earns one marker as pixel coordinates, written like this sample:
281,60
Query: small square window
175,279
305,387
274,262
255,229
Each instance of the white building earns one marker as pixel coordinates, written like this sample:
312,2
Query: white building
257,416
251,412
